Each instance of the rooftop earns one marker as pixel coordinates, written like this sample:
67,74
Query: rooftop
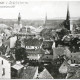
32,42
59,51
45,75
17,66
33,51
28,72
8,58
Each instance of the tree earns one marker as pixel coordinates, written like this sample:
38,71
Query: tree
62,33
18,43
20,54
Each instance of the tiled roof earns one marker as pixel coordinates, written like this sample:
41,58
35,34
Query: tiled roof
33,51
33,42
45,75
59,51
28,73
21,33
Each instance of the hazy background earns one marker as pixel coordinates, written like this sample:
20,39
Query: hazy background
38,9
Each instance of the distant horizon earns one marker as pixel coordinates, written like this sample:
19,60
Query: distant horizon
72,18
35,10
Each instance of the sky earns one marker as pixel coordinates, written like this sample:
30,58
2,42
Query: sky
39,9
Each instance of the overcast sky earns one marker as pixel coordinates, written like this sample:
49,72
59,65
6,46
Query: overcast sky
38,9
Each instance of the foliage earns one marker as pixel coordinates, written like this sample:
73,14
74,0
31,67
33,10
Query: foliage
20,54
47,33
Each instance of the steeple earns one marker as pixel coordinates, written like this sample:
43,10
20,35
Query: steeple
19,19
68,15
67,21
45,19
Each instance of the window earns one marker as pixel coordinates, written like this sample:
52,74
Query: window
47,56
2,62
74,61
3,71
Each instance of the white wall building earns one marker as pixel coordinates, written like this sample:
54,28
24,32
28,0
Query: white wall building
5,68
13,41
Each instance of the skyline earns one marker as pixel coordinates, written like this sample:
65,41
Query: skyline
39,9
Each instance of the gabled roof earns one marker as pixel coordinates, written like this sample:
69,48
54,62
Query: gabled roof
63,67
28,73
45,75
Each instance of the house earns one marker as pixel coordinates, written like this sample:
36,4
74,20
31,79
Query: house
29,72
5,68
34,54
45,75
16,70
33,43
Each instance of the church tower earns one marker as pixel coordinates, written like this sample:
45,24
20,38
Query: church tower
19,19
67,21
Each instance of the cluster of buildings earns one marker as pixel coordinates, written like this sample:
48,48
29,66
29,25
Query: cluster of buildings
39,52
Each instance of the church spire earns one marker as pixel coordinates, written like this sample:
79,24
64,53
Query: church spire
68,14
67,21
45,19
19,19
